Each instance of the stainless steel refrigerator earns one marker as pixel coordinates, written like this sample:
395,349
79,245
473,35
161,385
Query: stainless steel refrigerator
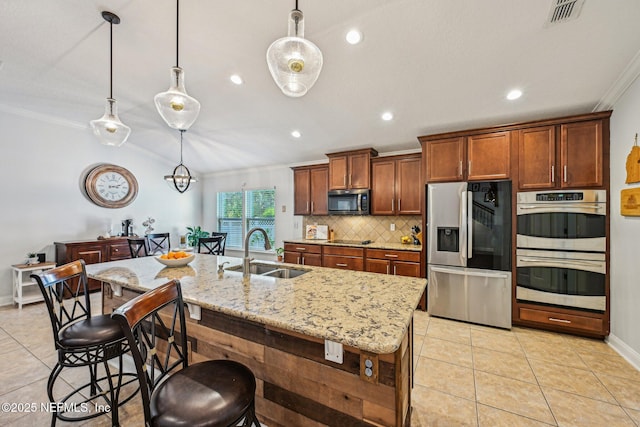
469,252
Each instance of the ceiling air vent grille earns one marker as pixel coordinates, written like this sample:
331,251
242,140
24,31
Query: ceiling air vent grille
564,10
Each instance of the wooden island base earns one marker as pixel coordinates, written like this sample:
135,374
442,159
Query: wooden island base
296,386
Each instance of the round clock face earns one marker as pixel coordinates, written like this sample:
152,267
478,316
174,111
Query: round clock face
111,186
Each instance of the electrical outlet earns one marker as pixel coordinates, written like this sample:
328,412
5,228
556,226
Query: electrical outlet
392,227
333,351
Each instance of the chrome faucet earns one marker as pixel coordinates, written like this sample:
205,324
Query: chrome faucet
246,267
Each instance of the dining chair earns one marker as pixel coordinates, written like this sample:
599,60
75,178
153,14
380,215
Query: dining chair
138,247
211,245
224,240
83,340
209,393
158,243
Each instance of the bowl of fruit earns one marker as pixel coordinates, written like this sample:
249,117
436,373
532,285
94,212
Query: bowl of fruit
175,259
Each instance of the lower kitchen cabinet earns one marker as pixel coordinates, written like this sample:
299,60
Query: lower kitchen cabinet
400,263
563,320
303,254
344,257
92,252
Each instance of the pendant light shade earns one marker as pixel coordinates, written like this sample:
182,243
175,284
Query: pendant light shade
108,128
176,107
181,178
294,62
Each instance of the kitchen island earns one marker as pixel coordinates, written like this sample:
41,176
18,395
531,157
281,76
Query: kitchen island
280,327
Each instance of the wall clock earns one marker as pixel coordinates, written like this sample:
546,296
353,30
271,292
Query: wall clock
111,186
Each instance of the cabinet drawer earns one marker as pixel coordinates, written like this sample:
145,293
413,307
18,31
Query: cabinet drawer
393,255
591,324
344,251
303,258
343,262
119,251
296,247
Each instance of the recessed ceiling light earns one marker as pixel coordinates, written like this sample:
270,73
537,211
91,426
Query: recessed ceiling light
514,94
296,134
354,37
236,79
387,115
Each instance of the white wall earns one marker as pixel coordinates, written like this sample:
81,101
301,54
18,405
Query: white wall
288,226
43,165
625,232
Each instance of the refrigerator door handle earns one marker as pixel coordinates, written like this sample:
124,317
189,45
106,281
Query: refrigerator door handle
470,223
463,225
484,273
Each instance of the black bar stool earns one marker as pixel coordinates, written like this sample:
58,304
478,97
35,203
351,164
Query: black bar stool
138,247
211,393
158,243
83,340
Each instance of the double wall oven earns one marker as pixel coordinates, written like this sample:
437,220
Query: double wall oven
561,248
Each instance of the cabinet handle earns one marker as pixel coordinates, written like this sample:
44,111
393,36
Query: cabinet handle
312,206
344,180
553,173
391,255
394,269
387,268
565,173
553,319
298,261
399,205
349,180
301,249
392,200
469,171
307,208
460,168
302,260
338,264
115,249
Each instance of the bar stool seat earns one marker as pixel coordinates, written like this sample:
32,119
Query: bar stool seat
97,330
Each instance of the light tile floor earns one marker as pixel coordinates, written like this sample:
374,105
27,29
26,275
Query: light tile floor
465,375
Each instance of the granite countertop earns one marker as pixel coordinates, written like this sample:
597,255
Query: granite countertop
373,245
369,311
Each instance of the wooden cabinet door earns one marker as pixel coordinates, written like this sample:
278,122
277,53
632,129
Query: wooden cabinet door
537,158
383,188
292,257
378,266
409,269
314,260
445,160
338,172
409,186
359,171
489,156
119,251
319,180
581,154
301,191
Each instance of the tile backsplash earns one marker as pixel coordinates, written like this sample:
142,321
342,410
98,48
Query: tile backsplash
375,228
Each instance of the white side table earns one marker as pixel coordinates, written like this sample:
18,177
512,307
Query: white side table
25,290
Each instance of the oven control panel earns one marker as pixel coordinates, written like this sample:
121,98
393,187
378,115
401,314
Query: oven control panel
559,197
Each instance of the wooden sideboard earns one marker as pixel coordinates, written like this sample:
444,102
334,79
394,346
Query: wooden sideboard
92,252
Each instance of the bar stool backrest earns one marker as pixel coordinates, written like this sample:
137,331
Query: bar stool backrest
158,243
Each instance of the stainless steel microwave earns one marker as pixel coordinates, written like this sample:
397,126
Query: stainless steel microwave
349,202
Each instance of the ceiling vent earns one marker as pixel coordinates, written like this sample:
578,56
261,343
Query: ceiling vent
563,11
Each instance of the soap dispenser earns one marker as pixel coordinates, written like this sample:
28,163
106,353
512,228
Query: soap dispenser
221,269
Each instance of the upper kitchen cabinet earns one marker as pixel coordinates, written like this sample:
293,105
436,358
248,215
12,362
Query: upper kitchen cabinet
310,186
471,157
568,155
396,185
350,169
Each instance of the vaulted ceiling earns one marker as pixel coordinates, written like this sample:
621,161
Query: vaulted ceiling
437,65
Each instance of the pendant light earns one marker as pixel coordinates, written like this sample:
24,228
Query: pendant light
294,62
177,109
181,178
108,128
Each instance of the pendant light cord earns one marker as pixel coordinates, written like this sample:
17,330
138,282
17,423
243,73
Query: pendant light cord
296,5
177,30
111,59
181,133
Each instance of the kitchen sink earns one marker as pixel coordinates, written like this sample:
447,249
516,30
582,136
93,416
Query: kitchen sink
271,270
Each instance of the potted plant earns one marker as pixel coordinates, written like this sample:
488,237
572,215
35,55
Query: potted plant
194,234
32,258
279,253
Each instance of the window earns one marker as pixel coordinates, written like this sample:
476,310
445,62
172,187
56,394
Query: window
240,211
